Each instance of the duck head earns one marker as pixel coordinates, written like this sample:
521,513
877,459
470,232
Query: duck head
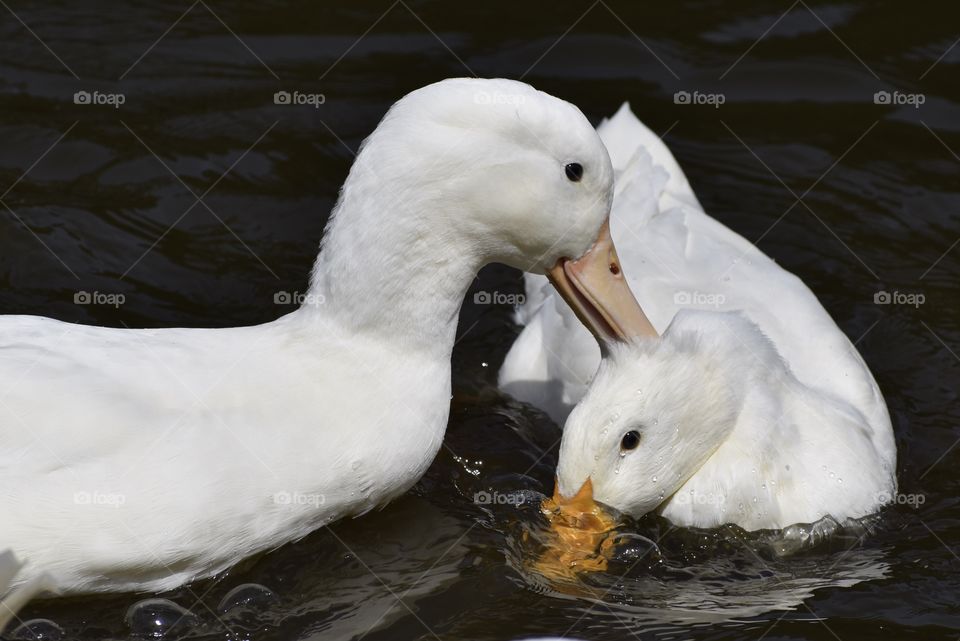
658,408
466,172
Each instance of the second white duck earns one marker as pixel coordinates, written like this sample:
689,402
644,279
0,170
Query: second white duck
752,408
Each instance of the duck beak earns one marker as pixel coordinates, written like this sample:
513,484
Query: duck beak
595,288
582,534
579,511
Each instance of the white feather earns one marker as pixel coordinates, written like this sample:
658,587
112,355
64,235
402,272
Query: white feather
13,599
794,389
143,459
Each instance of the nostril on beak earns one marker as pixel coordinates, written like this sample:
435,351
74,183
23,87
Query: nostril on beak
614,269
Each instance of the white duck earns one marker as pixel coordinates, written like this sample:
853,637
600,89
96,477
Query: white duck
756,411
143,459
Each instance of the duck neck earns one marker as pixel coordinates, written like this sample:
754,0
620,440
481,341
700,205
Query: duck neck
386,270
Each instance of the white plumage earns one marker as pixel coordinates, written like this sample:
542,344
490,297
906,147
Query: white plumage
753,407
13,599
143,459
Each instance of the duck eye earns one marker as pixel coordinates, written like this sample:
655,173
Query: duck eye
630,440
574,171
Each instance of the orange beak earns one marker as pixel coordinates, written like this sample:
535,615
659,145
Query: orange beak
595,288
581,535
579,511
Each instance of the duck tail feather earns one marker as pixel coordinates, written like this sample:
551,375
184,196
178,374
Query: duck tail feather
13,599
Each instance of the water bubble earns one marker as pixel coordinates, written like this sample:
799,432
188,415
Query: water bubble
654,479
160,618
245,596
37,630
634,547
740,507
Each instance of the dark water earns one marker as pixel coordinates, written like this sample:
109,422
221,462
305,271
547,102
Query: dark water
111,208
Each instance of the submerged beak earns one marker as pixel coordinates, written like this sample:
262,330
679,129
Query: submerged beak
595,288
579,511
581,535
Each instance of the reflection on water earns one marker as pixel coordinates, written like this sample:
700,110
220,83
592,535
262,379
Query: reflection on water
414,550
738,574
728,590
112,208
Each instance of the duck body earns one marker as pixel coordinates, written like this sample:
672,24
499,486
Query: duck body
144,459
185,450
789,426
794,455
728,434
